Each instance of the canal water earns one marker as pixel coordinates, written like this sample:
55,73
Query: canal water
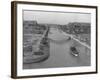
60,55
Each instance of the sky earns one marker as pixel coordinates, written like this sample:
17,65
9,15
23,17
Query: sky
56,17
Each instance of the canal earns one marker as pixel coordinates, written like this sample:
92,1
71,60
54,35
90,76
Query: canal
60,55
